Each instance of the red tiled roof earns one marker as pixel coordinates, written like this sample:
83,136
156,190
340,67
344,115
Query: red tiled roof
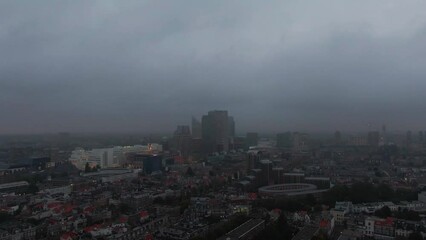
52,221
69,235
57,210
253,196
91,228
276,210
324,223
123,219
54,205
143,214
386,222
178,159
68,208
89,209
40,205
4,209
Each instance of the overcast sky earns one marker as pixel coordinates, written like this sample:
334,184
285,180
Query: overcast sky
103,66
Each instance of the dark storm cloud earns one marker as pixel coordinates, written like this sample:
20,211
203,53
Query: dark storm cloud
149,65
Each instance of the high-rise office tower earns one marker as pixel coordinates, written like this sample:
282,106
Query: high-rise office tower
300,141
182,140
182,130
252,161
231,132
266,166
231,127
196,128
277,175
215,131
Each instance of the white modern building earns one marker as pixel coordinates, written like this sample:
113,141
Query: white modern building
340,210
103,157
79,158
108,157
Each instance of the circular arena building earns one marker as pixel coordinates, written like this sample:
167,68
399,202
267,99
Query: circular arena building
289,190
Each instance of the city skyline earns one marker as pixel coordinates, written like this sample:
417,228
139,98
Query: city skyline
105,66
171,127
215,120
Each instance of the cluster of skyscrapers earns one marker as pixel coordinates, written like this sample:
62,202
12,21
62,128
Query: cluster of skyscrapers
215,133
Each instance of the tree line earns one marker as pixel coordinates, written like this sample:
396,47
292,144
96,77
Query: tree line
361,192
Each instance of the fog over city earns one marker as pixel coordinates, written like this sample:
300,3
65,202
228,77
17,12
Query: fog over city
120,66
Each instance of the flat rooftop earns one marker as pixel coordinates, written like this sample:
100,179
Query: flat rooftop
13,185
294,174
243,229
107,172
306,233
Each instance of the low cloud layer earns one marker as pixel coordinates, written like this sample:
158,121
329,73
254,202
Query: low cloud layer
145,66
